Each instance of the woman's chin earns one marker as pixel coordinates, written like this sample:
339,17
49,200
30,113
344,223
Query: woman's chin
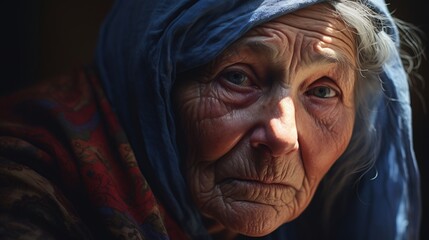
250,218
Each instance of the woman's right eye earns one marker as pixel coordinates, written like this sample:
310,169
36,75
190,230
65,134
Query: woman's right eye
237,85
236,77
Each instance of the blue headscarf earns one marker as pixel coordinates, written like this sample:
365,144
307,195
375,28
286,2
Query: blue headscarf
145,43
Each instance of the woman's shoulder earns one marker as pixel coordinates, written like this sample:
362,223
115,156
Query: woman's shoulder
65,132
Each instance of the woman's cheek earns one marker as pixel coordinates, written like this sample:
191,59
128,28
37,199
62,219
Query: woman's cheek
323,141
211,118
212,138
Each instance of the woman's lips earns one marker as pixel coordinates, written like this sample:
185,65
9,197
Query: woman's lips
262,183
257,191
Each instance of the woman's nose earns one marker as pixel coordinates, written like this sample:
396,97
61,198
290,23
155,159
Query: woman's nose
278,130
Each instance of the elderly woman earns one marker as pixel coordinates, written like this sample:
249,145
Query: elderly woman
219,120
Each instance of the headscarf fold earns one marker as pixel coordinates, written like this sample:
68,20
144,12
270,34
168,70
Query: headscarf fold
144,44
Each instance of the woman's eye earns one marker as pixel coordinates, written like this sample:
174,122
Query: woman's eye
322,92
237,78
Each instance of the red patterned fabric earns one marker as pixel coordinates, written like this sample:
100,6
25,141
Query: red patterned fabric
67,170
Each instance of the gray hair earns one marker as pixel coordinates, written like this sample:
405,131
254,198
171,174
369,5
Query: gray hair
374,48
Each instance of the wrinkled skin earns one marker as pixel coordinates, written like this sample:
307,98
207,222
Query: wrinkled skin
266,120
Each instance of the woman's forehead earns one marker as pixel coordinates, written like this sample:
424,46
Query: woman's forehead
320,18
304,33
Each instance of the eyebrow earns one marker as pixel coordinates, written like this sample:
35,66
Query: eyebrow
270,51
260,47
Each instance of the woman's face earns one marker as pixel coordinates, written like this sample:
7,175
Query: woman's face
265,121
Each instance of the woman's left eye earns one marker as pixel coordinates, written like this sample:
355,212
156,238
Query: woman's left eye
322,92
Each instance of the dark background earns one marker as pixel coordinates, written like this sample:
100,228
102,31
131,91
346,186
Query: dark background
43,38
